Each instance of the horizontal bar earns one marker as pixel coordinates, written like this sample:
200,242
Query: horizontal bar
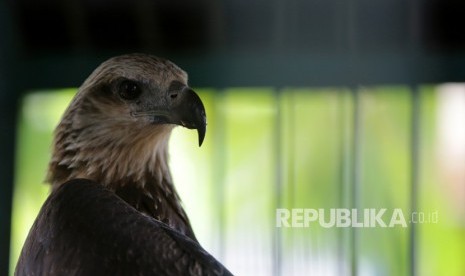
274,69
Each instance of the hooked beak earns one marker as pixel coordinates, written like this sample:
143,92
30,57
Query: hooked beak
188,111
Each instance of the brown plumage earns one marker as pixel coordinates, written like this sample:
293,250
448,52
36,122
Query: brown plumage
110,178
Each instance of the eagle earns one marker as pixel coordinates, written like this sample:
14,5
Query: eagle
113,208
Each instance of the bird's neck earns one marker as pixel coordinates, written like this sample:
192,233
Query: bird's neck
134,166
112,157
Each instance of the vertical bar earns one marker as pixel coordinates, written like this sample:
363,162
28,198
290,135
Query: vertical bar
280,16
293,149
291,176
344,197
8,118
415,10
352,43
342,182
219,172
355,195
279,37
414,148
277,240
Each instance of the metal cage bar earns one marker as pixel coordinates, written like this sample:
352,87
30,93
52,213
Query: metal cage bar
415,166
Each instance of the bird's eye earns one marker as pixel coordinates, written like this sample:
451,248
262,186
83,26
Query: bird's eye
129,90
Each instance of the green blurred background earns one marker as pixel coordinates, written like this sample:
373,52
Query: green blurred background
311,104
292,148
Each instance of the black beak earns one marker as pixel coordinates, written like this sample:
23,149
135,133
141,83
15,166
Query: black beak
188,111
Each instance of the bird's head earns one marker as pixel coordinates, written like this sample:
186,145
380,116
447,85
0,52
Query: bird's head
118,124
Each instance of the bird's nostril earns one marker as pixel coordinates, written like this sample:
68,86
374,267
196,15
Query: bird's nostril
174,96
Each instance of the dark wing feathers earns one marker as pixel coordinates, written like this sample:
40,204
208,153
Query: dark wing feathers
160,205
84,229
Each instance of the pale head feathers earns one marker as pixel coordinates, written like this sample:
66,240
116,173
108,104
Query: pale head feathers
98,137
